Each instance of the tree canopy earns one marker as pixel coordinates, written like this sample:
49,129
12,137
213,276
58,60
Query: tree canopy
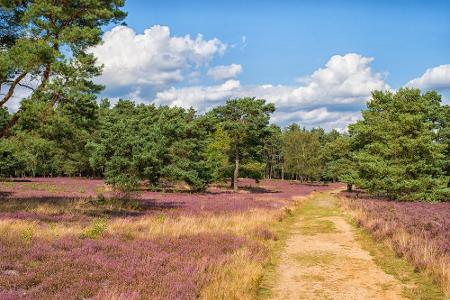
398,147
44,49
245,121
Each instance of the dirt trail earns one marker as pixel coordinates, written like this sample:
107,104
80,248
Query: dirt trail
322,260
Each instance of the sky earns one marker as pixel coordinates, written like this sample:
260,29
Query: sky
318,61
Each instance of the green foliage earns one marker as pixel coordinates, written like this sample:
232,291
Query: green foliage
155,144
50,142
217,154
338,158
4,117
300,153
50,44
253,169
95,230
397,145
245,121
273,153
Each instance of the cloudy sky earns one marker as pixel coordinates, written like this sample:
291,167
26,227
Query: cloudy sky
316,60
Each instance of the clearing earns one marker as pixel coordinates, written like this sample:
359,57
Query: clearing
323,260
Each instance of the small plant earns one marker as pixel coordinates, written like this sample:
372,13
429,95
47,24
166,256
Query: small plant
161,218
101,198
27,235
95,230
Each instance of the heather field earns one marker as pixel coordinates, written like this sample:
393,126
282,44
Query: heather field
419,231
72,238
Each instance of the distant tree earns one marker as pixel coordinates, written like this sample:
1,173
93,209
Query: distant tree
444,138
218,152
246,121
273,152
398,149
47,51
301,153
339,163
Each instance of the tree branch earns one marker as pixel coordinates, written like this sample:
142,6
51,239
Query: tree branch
26,86
12,88
10,124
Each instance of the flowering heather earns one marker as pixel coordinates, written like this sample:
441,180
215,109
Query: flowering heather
66,199
73,268
419,231
70,238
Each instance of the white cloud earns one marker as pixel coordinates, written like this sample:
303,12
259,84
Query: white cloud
154,58
224,72
345,81
433,78
198,97
318,117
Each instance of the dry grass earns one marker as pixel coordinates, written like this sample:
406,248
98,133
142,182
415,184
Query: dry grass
419,251
238,276
235,223
242,224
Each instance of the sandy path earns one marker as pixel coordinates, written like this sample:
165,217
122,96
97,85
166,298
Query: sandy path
322,260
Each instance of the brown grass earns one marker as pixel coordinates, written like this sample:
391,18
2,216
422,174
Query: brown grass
238,277
419,251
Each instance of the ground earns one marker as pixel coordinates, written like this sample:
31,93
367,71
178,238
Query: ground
72,238
323,260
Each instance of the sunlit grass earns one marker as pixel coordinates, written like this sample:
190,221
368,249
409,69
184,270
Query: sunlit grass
315,259
418,284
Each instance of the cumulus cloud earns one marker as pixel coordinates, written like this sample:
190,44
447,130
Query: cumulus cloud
433,78
318,117
224,72
345,81
199,97
154,58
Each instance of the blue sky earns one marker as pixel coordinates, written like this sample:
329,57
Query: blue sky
287,39
316,60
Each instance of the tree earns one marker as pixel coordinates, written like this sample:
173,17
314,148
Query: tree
217,153
273,152
300,153
156,144
245,120
397,146
444,138
49,56
339,163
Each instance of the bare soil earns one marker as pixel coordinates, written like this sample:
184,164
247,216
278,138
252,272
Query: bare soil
323,260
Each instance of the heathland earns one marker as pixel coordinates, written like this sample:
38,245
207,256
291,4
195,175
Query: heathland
114,199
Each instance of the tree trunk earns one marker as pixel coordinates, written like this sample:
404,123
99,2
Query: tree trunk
282,172
349,187
11,123
236,169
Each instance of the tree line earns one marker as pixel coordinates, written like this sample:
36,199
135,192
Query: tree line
399,149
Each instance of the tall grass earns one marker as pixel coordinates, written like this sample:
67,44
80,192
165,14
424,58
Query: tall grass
57,248
418,231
